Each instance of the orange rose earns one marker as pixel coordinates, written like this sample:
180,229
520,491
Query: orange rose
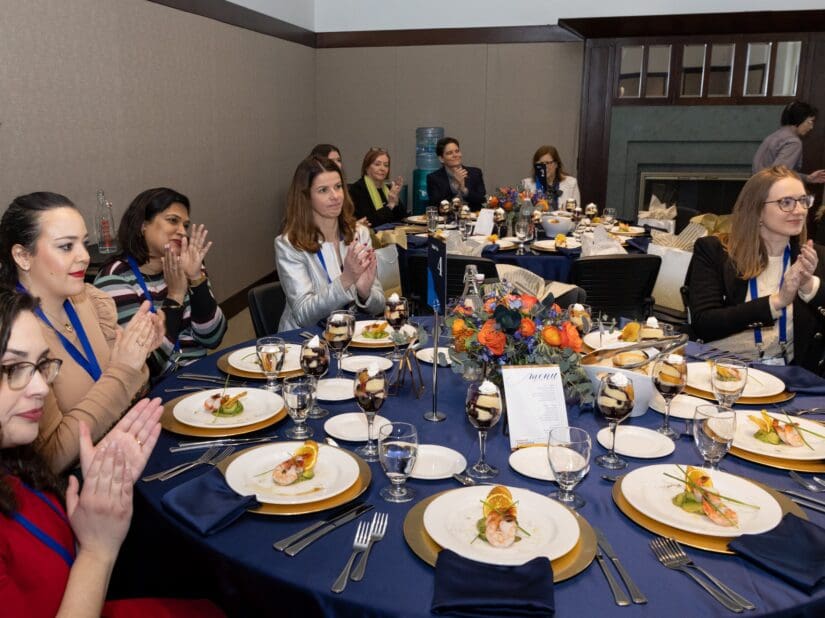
528,301
489,305
570,337
527,327
493,202
493,339
507,206
551,335
543,205
458,327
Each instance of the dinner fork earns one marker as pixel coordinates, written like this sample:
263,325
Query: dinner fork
667,559
359,544
212,462
809,485
378,528
202,459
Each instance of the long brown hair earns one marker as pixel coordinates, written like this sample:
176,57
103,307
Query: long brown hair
372,155
551,150
744,243
299,226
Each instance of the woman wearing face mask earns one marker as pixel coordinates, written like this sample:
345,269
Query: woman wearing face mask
324,261
42,238
162,264
454,179
375,200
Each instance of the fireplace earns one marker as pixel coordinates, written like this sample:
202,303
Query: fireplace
713,192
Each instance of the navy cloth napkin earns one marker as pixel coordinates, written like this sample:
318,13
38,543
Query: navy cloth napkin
206,503
467,588
797,379
416,242
489,251
793,550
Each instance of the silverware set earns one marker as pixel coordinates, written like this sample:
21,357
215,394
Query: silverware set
199,444
817,485
199,377
294,543
211,457
618,594
365,537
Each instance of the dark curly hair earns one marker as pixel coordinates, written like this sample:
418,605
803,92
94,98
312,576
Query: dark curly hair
143,209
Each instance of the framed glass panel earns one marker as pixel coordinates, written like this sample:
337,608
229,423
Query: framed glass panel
786,70
757,67
721,69
630,73
658,71
693,70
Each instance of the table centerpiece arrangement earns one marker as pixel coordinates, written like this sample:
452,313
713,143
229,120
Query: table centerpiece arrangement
509,204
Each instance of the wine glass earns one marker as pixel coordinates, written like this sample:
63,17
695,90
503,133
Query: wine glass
397,450
315,362
271,353
713,430
615,401
522,233
484,407
609,216
370,392
339,331
396,312
669,378
568,451
299,396
728,377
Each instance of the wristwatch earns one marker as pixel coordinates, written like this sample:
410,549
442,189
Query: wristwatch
197,280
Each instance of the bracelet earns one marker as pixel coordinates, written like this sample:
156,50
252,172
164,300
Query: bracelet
171,303
197,281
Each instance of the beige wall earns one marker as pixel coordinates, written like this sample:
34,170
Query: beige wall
500,101
128,94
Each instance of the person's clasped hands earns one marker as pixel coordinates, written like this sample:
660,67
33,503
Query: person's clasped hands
798,278
143,334
360,268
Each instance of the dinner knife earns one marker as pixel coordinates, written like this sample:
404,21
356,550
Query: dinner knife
194,445
618,594
805,504
295,543
796,494
607,548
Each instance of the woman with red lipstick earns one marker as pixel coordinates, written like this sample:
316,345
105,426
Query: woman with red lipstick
757,291
373,197
42,237
162,262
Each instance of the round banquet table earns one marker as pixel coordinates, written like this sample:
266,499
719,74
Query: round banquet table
239,568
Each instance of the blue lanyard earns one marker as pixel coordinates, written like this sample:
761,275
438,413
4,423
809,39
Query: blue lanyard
88,362
40,534
323,264
783,317
141,282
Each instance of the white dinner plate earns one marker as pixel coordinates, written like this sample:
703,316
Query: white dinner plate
354,362
358,337
637,442
532,461
608,341
633,230
251,473
335,389
422,219
246,359
451,519
258,405
433,462
745,430
759,384
352,426
503,245
425,355
682,406
649,491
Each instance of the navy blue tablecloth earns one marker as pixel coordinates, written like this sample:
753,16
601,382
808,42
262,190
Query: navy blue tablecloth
253,579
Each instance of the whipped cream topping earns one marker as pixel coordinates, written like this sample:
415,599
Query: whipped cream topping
394,298
675,359
487,388
445,203
314,342
578,307
499,211
409,331
619,380
652,322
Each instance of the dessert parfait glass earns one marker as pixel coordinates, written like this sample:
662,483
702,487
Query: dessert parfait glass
484,406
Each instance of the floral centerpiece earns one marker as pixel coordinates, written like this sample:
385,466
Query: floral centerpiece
509,203
516,329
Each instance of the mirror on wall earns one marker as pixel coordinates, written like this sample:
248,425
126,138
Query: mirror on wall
693,70
757,65
721,69
786,69
658,71
630,72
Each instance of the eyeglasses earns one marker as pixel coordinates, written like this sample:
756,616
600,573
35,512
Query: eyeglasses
549,162
20,375
787,204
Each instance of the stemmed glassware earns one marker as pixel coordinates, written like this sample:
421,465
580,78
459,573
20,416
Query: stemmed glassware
568,451
522,233
339,332
396,312
432,219
315,362
713,430
615,401
609,216
370,391
728,377
271,353
580,316
299,396
484,406
669,378
397,451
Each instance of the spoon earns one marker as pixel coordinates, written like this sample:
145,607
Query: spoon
330,441
611,478
809,485
464,479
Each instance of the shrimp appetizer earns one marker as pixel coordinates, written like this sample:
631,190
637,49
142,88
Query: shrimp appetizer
299,467
700,497
224,405
499,526
774,431
376,330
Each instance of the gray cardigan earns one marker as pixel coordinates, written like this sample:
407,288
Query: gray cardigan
310,296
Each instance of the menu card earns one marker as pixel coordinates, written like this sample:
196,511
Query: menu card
535,402
484,223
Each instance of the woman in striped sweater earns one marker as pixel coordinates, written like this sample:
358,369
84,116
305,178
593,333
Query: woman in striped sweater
162,262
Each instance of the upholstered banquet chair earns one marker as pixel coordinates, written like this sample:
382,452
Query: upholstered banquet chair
266,304
618,285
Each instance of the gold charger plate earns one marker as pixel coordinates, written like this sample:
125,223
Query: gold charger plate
223,365
778,462
745,401
356,489
572,563
170,423
716,544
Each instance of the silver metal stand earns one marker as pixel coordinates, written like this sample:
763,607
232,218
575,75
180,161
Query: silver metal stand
434,415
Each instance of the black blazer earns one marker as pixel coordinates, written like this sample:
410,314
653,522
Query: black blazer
718,308
364,207
438,187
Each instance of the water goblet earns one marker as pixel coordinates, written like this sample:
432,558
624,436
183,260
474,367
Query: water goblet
299,396
568,451
315,362
432,219
484,406
609,216
522,233
396,312
464,228
713,430
370,391
338,333
615,401
397,451
271,353
669,378
728,377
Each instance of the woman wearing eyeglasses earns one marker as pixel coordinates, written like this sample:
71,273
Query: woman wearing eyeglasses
42,252
373,197
561,186
757,291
